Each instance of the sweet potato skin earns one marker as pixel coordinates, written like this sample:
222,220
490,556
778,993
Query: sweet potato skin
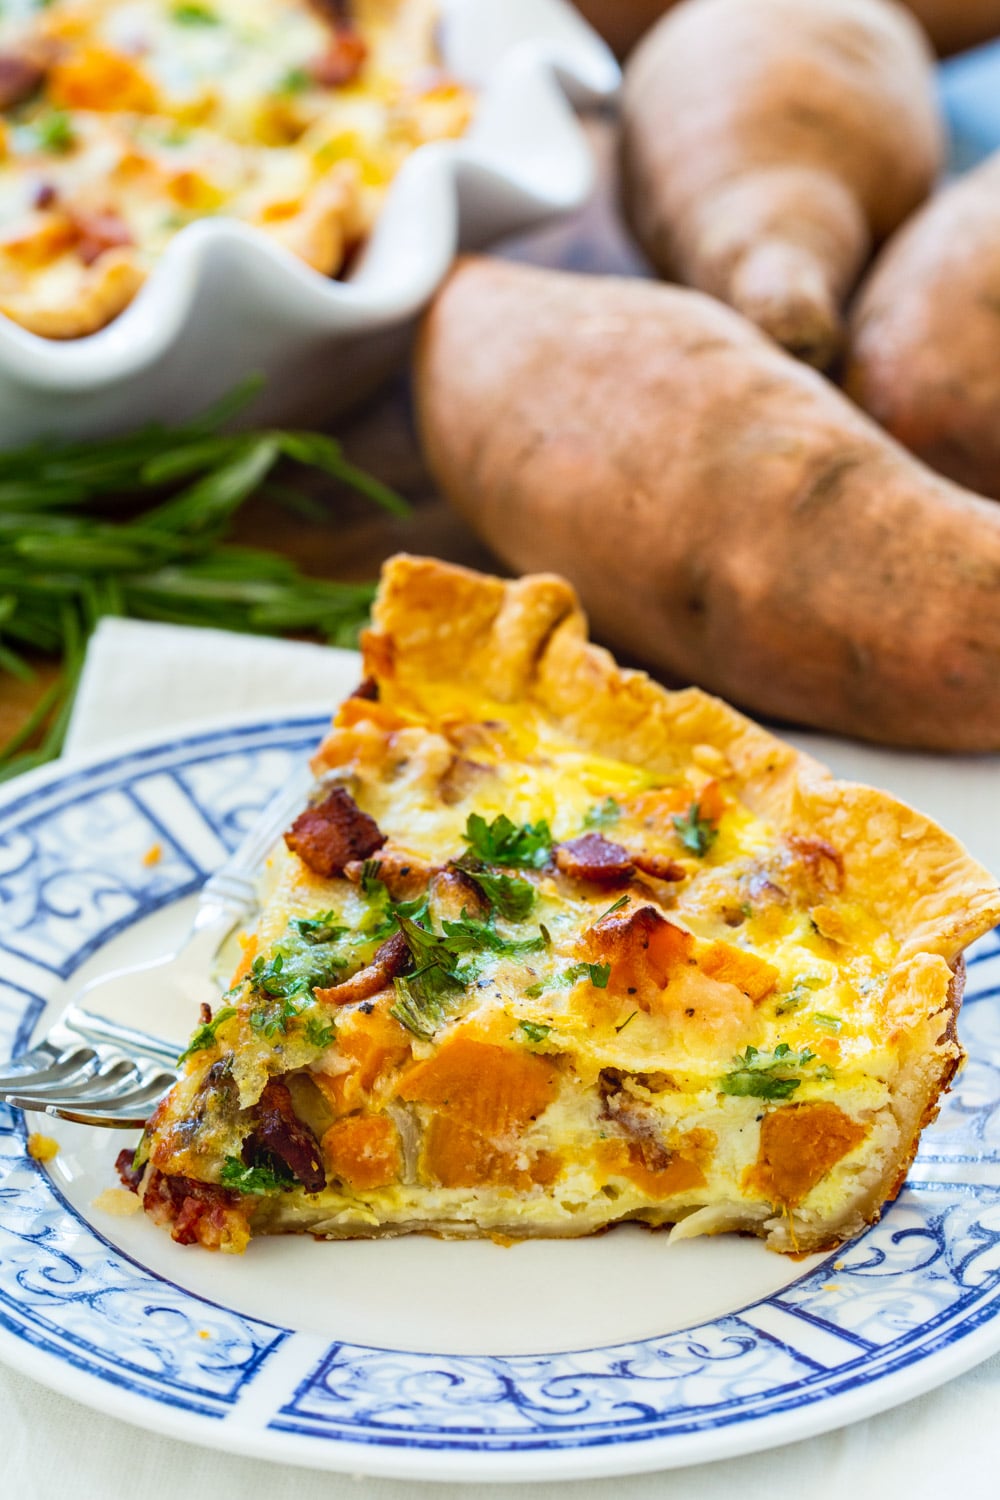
726,515
925,331
955,24
767,144
952,25
622,22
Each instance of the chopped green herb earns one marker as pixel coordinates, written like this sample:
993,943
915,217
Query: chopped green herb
470,935
273,1015
259,1180
504,843
68,558
318,929
598,974
140,1155
204,1036
534,1031
267,977
697,834
615,906
828,1023
423,1000
54,132
319,1033
799,991
512,896
192,13
603,815
295,81
762,1075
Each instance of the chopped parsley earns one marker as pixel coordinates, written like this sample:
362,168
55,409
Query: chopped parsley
318,929
697,834
504,843
54,132
192,13
762,1075
799,991
273,1015
423,999
598,974
534,1031
261,1180
204,1036
470,935
319,1033
295,81
512,896
446,963
603,814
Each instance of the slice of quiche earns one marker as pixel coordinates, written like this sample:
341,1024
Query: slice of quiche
553,948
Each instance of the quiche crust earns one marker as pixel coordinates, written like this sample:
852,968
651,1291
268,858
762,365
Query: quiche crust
727,998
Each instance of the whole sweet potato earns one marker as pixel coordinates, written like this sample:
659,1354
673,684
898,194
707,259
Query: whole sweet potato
925,333
768,143
726,515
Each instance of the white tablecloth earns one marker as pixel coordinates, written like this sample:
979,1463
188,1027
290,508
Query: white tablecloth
147,677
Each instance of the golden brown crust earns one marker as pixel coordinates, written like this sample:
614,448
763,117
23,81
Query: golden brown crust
528,639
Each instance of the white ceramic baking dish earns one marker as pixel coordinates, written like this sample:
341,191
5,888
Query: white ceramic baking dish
225,300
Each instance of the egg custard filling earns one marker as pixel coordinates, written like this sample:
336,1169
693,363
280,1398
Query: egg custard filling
552,947
124,121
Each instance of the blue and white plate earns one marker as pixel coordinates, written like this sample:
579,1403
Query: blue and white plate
417,1357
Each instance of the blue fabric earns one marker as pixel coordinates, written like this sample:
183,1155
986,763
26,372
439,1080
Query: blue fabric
970,92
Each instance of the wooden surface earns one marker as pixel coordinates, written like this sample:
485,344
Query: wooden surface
381,439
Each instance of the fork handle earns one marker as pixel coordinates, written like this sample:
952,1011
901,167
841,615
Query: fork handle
232,891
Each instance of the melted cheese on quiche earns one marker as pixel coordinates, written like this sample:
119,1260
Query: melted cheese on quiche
126,120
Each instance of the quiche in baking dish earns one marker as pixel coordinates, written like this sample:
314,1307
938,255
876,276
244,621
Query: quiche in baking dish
123,121
552,947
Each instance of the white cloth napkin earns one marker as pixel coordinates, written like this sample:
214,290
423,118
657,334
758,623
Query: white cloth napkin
146,677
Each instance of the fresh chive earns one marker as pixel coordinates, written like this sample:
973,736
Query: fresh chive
64,568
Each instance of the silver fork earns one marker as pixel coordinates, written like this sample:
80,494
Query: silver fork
97,1071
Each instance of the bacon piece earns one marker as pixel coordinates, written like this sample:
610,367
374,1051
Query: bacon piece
391,959
279,1131
333,833
593,857
659,866
461,779
196,1212
403,876
129,1175
99,231
366,689
20,77
44,195
343,59
823,864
